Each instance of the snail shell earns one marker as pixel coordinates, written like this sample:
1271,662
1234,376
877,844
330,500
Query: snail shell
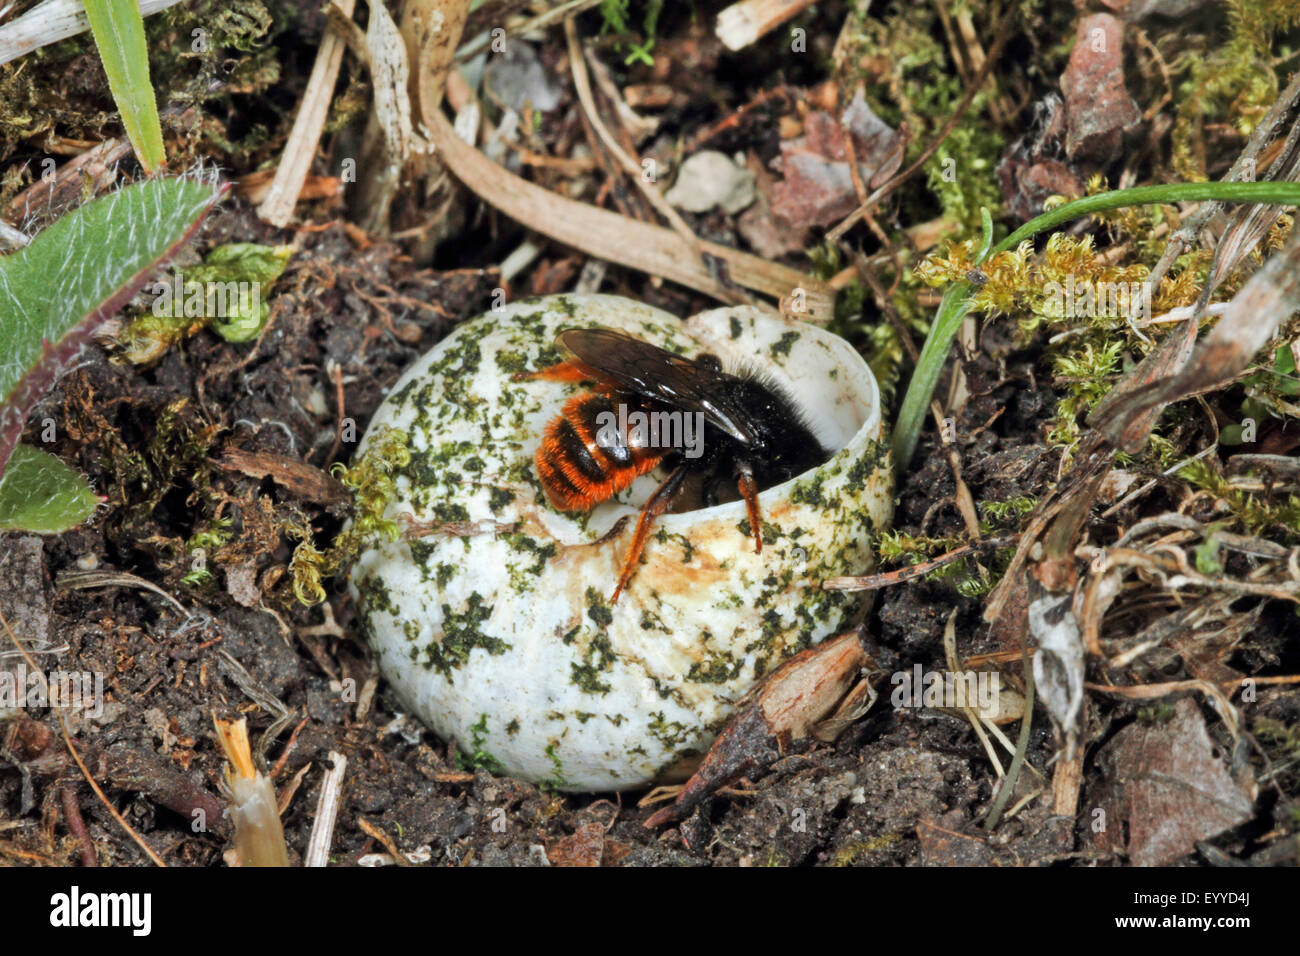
494,627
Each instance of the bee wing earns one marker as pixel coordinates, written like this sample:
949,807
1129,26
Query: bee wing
657,374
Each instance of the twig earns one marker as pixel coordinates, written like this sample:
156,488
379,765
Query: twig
618,239
72,813
532,25
1022,747
86,580
295,162
1221,704
950,658
376,833
336,373
743,23
871,582
327,810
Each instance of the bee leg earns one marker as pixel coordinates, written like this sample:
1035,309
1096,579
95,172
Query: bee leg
749,491
659,502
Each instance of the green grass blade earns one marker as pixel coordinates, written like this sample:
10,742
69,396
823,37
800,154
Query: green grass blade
954,306
929,366
1265,193
118,29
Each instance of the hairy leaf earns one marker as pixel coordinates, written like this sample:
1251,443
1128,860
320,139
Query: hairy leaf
40,493
77,273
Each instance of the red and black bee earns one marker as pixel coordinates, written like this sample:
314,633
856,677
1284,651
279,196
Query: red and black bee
753,432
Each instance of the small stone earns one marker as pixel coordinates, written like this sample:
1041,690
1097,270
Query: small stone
708,179
1099,111
517,79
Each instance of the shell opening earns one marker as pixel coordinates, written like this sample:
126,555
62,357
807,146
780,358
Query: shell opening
829,381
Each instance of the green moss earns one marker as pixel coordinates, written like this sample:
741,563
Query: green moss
512,361
450,513
460,635
598,609
874,458
478,756
597,658
421,554
373,595
524,577
670,733
557,780
783,345
717,670
809,491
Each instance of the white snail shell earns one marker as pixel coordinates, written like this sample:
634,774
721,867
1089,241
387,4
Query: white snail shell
495,628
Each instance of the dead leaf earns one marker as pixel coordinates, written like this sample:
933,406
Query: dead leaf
793,700
817,188
296,476
584,847
1168,782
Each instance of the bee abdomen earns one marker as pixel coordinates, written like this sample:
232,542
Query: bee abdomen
576,468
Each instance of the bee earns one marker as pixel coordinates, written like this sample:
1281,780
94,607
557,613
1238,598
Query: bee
752,432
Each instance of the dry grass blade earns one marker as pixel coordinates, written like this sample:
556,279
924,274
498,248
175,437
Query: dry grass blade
614,238
431,29
84,580
295,163
52,21
1264,133
582,83
1250,323
1250,224
327,811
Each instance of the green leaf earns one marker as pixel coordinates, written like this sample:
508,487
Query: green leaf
255,268
41,494
77,273
986,225
118,29
1208,561
229,291
1231,435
